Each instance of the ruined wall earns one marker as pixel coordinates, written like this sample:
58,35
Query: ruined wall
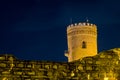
105,64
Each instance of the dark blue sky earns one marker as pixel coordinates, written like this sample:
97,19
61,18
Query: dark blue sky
36,29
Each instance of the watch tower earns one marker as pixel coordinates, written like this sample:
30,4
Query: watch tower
82,41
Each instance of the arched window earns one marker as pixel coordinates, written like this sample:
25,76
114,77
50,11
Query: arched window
84,44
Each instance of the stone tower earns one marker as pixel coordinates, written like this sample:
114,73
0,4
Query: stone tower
82,41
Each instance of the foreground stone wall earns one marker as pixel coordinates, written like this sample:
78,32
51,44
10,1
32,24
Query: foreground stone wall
104,66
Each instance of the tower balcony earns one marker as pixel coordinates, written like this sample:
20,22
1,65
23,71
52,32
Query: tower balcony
66,53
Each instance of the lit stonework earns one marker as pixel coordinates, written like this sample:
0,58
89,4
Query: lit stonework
84,62
82,41
103,66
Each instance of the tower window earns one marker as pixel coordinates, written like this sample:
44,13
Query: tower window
84,44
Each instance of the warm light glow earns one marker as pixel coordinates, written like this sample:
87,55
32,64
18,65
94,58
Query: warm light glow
5,78
106,78
88,76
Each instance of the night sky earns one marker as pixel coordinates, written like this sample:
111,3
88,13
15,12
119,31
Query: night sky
36,29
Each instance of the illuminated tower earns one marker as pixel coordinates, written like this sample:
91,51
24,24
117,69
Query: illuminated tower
82,41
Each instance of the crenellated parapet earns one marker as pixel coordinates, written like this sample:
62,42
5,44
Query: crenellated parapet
81,25
82,28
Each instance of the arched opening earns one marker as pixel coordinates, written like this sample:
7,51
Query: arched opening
84,44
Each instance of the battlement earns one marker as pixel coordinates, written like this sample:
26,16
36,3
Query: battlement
82,28
81,25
